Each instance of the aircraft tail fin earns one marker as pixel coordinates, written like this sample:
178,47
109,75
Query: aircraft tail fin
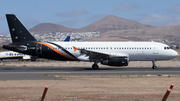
18,32
67,39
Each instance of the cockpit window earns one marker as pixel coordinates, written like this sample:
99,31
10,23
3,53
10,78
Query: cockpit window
166,48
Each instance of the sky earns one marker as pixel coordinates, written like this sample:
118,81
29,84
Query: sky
79,13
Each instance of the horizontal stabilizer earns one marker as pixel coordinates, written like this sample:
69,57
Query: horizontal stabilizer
18,47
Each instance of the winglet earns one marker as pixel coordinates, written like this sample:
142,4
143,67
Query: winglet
75,48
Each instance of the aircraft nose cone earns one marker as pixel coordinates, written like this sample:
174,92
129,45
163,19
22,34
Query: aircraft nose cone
174,54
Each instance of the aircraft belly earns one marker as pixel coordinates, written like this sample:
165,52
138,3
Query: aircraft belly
141,57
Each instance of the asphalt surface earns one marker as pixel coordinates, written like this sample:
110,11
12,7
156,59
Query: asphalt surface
48,73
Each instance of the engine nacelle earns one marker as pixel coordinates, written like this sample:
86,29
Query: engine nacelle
116,61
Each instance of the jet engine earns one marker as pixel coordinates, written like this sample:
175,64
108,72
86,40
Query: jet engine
116,61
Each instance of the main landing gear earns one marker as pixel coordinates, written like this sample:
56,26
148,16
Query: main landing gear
154,65
95,66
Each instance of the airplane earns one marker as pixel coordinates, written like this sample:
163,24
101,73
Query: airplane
16,55
106,53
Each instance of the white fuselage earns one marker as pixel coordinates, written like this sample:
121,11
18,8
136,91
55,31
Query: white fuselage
136,51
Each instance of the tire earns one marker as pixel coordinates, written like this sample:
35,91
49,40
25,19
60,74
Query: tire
154,67
95,66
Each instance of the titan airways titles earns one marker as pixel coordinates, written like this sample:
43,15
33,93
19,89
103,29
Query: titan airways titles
106,53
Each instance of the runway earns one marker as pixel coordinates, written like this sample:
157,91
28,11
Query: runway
41,73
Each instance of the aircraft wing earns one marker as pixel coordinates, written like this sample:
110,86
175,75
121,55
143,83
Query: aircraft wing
99,55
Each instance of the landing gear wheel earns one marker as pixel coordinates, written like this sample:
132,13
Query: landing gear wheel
33,59
154,67
95,66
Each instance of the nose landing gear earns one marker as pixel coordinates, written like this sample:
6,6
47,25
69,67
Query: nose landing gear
154,65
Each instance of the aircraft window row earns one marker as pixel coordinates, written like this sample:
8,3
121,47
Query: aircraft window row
166,48
15,54
132,48
110,48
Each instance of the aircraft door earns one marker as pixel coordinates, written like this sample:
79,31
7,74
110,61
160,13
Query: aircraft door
38,48
155,50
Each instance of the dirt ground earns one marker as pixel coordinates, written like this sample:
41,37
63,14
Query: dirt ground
93,88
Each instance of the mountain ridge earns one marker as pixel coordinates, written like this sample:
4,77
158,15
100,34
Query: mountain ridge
107,23
50,27
112,22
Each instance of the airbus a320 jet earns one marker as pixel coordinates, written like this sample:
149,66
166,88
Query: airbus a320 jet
106,53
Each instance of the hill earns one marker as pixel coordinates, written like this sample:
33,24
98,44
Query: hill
112,22
107,23
168,34
49,27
